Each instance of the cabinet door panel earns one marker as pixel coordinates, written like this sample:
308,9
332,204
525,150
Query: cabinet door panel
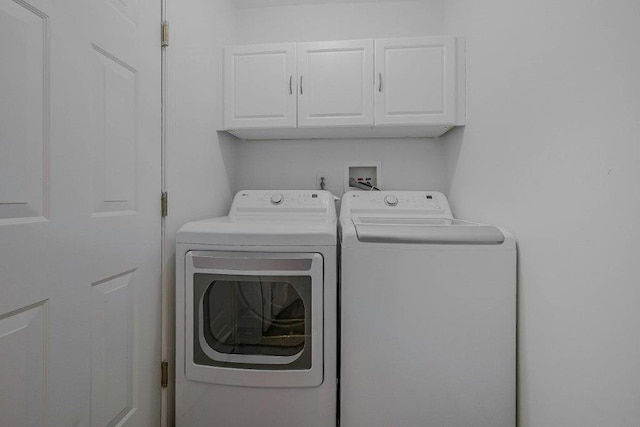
416,81
259,86
336,84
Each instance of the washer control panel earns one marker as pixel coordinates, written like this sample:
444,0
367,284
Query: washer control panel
294,202
425,204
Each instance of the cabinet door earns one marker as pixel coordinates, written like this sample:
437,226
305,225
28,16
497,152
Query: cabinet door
335,83
259,86
415,81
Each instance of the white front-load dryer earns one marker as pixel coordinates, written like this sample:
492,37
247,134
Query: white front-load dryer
256,313
428,315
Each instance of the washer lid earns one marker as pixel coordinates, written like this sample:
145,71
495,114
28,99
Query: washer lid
425,231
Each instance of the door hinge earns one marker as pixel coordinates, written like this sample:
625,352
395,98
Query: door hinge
165,34
164,378
164,204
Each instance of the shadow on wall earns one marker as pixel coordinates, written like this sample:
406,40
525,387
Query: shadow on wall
451,147
228,144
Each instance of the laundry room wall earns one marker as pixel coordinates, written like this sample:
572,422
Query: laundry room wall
339,21
551,150
406,163
199,160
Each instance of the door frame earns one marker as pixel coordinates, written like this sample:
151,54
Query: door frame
166,322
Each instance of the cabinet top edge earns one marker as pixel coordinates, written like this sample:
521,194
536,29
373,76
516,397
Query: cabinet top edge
382,39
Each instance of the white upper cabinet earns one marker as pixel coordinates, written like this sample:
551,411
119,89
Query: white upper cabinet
335,83
416,81
384,88
260,86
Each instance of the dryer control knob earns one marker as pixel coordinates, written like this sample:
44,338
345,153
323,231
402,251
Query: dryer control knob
390,200
276,199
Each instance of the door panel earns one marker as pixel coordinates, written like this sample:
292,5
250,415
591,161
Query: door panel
336,85
23,346
23,112
407,68
416,81
79,216
114,134
259,86
113,350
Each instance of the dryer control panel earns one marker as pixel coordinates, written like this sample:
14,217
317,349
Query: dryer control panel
287,202
418,204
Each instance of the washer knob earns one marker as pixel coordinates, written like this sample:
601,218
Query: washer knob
276,199
390,200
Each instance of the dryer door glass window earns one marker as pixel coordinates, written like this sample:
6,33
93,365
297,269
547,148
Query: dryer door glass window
253,320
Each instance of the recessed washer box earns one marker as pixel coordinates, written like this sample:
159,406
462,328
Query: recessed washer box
367,172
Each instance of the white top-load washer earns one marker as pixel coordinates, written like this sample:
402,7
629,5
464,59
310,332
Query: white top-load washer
256,313
428,315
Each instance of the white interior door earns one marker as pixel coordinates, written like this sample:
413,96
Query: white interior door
335,83
259,86
415,81
79,213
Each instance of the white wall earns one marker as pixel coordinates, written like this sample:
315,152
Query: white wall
551,150
199,160
339,21
406,163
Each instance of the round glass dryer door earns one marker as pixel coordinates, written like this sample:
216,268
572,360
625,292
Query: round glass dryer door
253,322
